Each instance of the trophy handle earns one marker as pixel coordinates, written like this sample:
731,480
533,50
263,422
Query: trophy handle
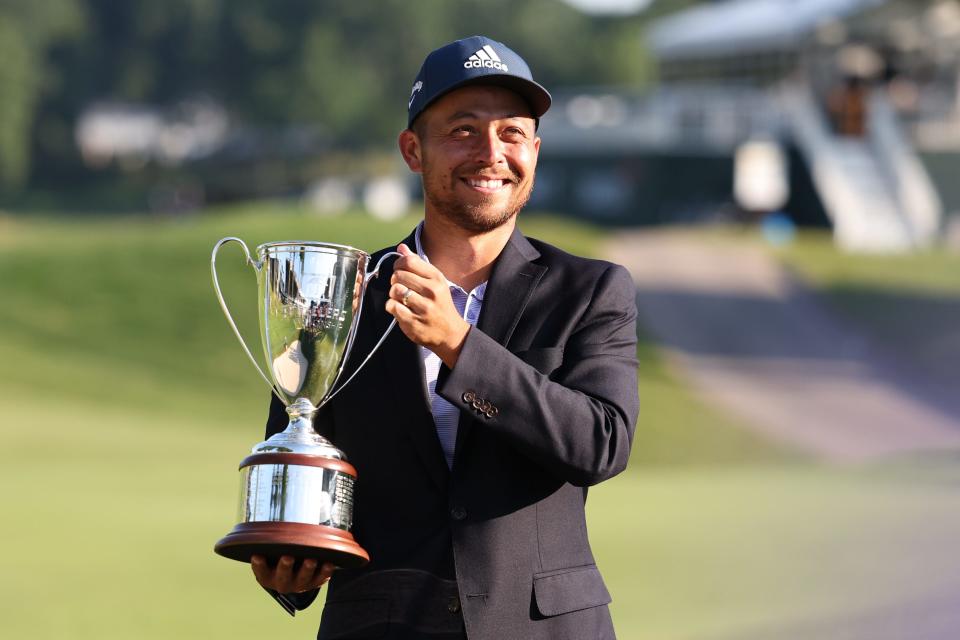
223,304
366,280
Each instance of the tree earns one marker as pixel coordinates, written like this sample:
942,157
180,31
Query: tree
27,28
340,65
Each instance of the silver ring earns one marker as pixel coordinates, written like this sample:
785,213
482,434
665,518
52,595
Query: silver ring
405,296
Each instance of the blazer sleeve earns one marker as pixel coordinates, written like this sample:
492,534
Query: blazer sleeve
579,421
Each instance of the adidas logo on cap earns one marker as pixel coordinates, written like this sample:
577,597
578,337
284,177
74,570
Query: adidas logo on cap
485,57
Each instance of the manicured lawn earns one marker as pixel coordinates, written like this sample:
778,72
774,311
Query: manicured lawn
934,271
112,515
725,552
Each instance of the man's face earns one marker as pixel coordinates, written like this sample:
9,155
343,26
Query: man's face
476,148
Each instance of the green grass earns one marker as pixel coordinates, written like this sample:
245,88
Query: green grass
110,535
126,404
933,271
720,552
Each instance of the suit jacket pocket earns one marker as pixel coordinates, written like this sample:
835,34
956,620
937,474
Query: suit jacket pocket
355,619
545,360
569,590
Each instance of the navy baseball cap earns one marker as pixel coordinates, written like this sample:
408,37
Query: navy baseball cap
474,60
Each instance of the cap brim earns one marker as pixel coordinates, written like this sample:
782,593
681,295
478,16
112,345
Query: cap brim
535,95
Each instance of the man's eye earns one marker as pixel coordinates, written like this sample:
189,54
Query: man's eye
463,131
514,133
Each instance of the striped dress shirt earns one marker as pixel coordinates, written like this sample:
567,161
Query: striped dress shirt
445,415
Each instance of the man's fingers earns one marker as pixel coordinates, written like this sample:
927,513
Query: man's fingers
278,578
261,570
398,290
305,575
411,280
401,312
414,263
326,571
310,574
283,575
408,297
323,575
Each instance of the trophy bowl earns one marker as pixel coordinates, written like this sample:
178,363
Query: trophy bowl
296,489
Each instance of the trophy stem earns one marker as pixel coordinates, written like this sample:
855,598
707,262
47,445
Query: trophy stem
300,436
301,414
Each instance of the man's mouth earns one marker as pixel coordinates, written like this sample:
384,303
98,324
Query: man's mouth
487,184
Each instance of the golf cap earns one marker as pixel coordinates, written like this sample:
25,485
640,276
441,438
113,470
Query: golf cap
474,60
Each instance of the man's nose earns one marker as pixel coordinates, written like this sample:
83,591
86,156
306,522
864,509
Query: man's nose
489,148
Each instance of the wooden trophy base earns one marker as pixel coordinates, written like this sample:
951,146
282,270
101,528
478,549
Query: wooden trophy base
302,541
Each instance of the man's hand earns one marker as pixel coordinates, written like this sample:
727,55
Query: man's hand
282,578
420,301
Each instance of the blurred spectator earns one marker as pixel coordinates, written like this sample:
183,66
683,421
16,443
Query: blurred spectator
847,106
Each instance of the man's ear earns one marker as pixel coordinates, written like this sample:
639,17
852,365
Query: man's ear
411,150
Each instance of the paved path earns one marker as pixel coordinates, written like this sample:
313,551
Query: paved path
754,340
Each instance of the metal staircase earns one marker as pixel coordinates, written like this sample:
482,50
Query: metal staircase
874,188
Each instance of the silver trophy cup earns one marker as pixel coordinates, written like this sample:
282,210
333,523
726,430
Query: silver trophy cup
296,494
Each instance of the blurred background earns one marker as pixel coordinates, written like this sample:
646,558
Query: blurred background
778,175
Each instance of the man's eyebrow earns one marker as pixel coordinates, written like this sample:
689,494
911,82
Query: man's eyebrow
459,115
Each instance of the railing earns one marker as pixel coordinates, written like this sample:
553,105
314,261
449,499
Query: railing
916,195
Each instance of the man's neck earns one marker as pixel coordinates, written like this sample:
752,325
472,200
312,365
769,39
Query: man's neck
464,257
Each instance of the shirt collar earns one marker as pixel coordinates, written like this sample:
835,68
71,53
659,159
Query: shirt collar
477,292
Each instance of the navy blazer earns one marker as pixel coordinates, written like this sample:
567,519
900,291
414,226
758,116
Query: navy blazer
547,387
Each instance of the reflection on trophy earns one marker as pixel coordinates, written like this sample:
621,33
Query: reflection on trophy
296,495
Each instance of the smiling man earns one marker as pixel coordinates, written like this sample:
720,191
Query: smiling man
509,390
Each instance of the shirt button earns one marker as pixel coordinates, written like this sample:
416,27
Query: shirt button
458,513
453,605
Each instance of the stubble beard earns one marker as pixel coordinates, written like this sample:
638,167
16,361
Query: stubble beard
476,217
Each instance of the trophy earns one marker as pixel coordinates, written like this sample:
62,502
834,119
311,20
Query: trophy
296,493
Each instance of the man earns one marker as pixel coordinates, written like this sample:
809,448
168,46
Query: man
510,388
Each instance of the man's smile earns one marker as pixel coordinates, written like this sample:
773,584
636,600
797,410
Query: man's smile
486,185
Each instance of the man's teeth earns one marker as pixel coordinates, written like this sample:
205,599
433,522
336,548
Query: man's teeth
485,184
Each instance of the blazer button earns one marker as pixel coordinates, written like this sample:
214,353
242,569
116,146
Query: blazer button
458,513
469,396
453,605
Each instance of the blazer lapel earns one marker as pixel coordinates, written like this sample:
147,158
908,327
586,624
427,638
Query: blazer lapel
402,369
512,282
